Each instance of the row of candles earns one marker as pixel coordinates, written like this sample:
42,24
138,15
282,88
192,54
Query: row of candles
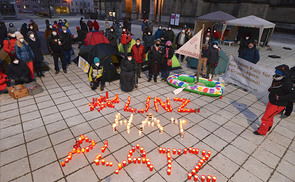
143,159
103,161
78,149
184,103
168,108
103,102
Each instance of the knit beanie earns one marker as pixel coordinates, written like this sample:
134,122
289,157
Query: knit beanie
282,70
19,36
96,60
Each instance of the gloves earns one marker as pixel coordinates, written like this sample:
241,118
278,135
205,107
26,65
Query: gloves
215,65
277,97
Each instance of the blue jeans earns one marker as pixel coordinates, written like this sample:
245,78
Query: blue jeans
68,56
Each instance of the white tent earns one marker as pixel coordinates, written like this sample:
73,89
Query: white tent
253,22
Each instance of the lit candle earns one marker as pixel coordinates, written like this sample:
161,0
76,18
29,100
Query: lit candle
121,122
203,152
78,151
74,150
168,171
114,128
214,178
193,151
133,149
80,140
103,149
141,149
111,164
86,139
82,150
139,132
147,159
203,178
153,124
181,133
69,157
67,160
139,160
160,150
143,160
148,163
93,142
63,164
128,131
107,163
199,164
129,160
144,154
130,152
197,151
209,178
172,120
185,151
190,150
206,157
151,167
179,151
194,171
134,160
117,171
128,156
125,122
98,156
189,176
209,153
137,146
169,166
90,147
201,161
169,161
197,168
174,151
103,161
87,149
161,129
164,150
196,177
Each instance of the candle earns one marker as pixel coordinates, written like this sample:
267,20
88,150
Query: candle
130,152
174,151
86,139
147,159
194,171
144,154
128,156
168,171
148,163
197,168
172,120
82,150
143,160
196,177
197,151
102,149
74,150
164,150
134,160
137,146
117,171
91,147
214,178
160,150
121,122
87,149
168,150
190,150
194,151
63,164
129,160
119,166
209,153
93,142
206,157
151,167
161,129
209,178
201,161
141,149
98,156
114,128
133,149
78,151
69,157
199,164
111,164
67,160
189,176
179,151
203,178
203,152
169,166
107,163
139,132
80,140
169,161
185,151
103,161
139,160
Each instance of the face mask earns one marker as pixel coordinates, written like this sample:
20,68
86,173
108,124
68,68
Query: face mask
157,45
168,46
246,38
31,28
129,58
137,43
214,30
21,40
112,30
15,61
12,35
32,35
183,31
278,77
169,28
65,31
124,30
149,33
160,28
54,33
97,64
207,38
50,27
215,46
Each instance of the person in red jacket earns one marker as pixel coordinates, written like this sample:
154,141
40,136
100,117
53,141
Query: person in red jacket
8,44
125,39
138,54
95,25
4,81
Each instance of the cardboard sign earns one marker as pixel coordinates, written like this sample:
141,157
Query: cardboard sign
83,64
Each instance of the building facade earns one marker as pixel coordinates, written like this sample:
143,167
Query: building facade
8,9
82,6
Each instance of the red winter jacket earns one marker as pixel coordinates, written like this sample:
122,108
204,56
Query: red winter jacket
138,53
95,25
125,38
3,79
9,47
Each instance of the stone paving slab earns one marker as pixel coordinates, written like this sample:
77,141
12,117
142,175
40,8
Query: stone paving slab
37,132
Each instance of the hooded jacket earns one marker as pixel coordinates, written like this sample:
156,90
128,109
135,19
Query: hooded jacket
66,41
8,45
36,48
24,53
251,55
125,38
149,41
112,37
19,70
3,80
213,55
138,53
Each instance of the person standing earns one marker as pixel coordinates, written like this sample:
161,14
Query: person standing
90,25
48,31
8,44
112,37
106,25
170,34
24,53
83,25
95,25
138,53
36,48
11,28
66,23
128,73
163,38
203,61
125,40
213,58
281,86
181,39
189,33
148,41
56,50
158,33
155,60
96,75
167,63
34,25
250,53
66,40
24,31
244,43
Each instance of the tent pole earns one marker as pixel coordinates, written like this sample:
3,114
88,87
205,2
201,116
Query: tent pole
200,54
223,30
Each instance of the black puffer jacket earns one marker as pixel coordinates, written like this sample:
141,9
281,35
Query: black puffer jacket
213,55
127,75
53,46
19,70
149,41
170,35
280,88
36,48
112,37
155,56
66,41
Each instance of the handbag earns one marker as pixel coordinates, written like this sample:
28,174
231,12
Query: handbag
169,62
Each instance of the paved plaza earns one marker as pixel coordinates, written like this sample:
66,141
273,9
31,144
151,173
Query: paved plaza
37,132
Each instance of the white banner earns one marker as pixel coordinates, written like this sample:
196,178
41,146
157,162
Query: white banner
192,48
248,75
83,64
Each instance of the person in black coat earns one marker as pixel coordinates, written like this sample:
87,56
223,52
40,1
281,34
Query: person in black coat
213,58
155,60
170,34
56,50
167,61
148,41
290,97
163,38
250,53
24,31
112,37
83,26
181,39
66,40
281,86
36,48
128,72
18,71
244,43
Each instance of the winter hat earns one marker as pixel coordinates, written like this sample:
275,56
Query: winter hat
215,42
30,32
168,42
96,60
138,39
292,74
19,36
64,28
158,40
78,28
282,70
129,54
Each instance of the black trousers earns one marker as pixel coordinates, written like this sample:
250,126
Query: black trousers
181,56
37,66
211,69
22,79
100,80
62,59
289,109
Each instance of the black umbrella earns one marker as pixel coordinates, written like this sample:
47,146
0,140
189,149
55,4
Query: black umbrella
101,51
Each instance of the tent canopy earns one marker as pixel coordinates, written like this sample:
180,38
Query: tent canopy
217,16
95,37
254,22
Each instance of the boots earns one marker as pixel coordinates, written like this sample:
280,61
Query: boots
101,87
